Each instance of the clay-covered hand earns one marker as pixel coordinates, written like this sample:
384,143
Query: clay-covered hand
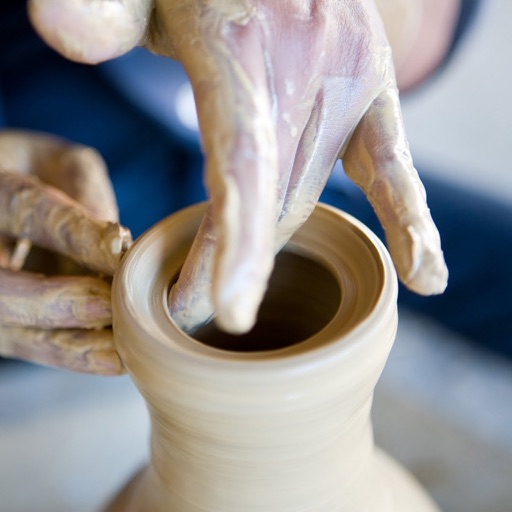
283,88
58,215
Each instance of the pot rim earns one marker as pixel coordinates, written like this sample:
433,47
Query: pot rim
152,323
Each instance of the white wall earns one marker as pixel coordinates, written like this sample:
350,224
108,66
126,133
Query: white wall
461,122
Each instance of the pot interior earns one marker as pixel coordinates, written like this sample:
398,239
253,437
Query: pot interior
302,297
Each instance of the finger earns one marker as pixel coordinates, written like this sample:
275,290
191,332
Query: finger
78,350
19,254
241,159
77,170
34,300
190,298
13,253
378,160
90,31
29,209
324,135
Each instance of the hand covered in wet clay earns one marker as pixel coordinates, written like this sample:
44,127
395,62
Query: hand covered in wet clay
283,88
57,197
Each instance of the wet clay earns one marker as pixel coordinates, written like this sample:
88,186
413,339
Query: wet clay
280,421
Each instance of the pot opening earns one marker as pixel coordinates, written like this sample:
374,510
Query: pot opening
302,298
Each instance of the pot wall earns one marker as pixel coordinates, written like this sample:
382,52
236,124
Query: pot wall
248,424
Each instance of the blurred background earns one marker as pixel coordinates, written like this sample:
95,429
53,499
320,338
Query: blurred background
443,407
461,120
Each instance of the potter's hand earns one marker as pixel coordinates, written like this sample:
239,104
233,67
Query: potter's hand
283,87
57,196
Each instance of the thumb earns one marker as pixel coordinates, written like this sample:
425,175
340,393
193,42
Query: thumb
90,31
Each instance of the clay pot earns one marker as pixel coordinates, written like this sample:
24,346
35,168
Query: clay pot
277,420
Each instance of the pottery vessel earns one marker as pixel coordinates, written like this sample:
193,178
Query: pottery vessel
277,420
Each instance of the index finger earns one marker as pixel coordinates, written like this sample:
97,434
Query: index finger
46,216
238,138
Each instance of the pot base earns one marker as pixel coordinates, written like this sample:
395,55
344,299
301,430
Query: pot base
401,492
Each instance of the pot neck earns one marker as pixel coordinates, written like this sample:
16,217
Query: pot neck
288,433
